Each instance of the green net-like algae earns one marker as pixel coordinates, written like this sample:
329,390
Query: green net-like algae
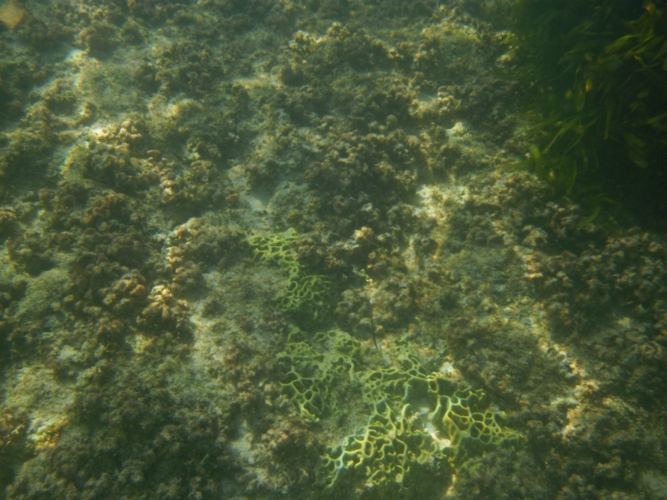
307,296
420,425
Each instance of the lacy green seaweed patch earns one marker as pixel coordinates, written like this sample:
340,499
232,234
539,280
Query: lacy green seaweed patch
313,379
307,296
417,422
278,249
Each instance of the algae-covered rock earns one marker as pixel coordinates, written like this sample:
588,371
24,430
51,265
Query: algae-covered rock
148,146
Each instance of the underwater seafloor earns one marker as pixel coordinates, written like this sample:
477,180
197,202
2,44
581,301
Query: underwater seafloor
275,249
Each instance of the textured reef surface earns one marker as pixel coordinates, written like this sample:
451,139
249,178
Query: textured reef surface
265,249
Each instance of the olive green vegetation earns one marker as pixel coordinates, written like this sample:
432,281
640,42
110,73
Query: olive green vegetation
417,424
598,74
308,296
312,376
